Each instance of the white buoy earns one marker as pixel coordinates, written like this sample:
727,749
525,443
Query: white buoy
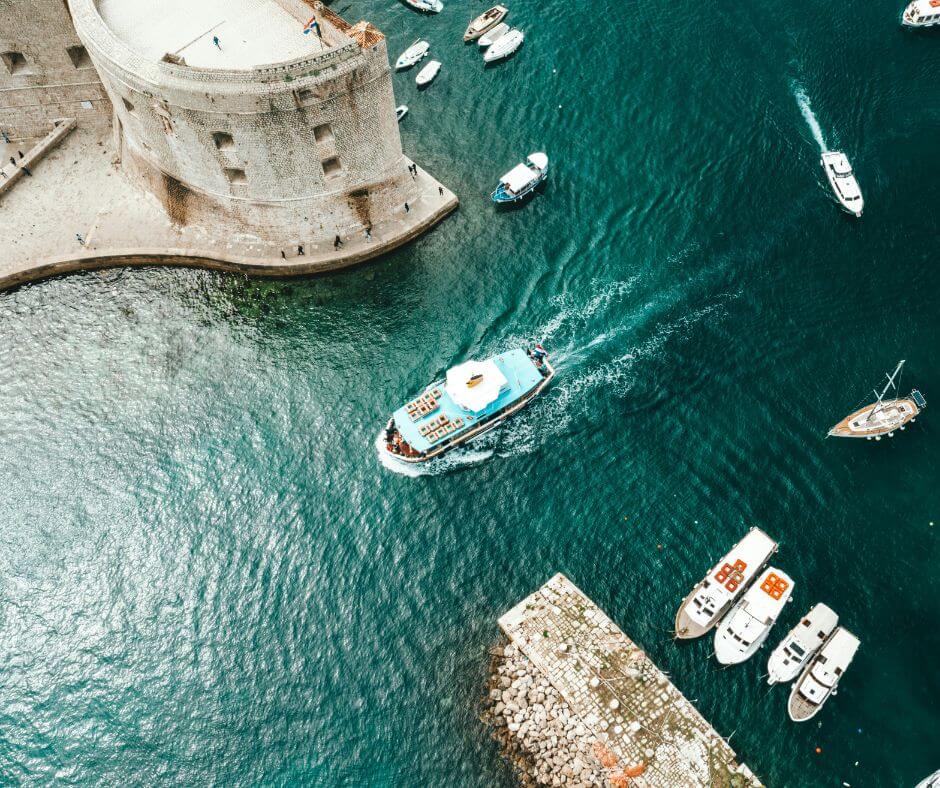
877,437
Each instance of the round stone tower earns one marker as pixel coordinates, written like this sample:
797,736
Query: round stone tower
276,113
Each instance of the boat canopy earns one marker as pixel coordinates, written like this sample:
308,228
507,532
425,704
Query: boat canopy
518,177
475,384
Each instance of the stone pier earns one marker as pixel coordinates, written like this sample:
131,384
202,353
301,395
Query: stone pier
576,702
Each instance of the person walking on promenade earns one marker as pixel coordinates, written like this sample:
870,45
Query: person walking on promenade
407,208
79,238
6,138
337,242
440,190
300,249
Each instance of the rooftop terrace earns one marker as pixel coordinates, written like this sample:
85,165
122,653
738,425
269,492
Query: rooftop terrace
251,32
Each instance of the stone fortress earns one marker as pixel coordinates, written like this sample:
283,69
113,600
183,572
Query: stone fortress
216,133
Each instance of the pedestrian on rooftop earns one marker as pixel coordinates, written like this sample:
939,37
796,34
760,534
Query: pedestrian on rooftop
215,40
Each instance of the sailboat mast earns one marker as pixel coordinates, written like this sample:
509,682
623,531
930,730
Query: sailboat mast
884,391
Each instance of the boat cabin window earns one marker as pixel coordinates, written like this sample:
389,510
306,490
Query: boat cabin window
805,622
822,659
797,650
821,635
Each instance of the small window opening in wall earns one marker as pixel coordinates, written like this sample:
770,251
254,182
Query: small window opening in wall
15,62
79,57
236,176
127,104
323,133
223,140
331,167
305,94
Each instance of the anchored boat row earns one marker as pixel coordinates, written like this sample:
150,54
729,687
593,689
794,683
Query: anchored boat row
816,649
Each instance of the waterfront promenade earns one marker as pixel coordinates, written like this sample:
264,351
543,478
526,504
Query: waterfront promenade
78,189
576,702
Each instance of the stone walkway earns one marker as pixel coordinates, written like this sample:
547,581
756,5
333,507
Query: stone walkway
78,190
620,696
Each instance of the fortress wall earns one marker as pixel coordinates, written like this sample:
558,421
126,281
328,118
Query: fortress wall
45,73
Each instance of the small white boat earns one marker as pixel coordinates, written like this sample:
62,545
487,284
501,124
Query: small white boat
821,677
842,180
485,21
427,74
930,781
412,55
922,13
426,6
522,180
743,631
400,112
800,644
726,581
492,36
504,46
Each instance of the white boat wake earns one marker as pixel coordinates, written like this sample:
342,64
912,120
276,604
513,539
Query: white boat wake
806,108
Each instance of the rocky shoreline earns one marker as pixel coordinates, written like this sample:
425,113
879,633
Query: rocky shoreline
540,735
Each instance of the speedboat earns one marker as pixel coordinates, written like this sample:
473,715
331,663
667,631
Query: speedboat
412,55
800,644
491,37
485,21
522,179
400,112
473,399
821,677
427,74
839,172
743,631
726,581
922,13
426,6
504,46
883,416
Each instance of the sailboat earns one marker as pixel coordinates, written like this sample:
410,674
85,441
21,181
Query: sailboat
883,416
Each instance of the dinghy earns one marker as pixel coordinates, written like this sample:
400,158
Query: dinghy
485,21
412,55
504,46
522,179
400,112
492,36
426,6
427,74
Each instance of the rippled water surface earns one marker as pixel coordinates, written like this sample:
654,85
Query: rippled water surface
206,574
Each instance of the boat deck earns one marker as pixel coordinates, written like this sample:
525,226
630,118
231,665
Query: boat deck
800,708
893,414
521,376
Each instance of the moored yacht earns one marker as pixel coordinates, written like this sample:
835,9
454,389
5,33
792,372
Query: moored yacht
412,55
504,47
842,180
485,21
493,35
883,416
726,581
822,675
800,644
522,180
426,6
922,13
427,74
473,398
743,631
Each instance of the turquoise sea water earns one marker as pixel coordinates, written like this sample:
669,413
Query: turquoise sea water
206,575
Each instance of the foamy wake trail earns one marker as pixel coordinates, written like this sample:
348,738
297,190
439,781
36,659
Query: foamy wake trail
806,108
439,465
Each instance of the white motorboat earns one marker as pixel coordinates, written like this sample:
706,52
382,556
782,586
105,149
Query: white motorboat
492,36
485,21
412,55
522,180
801,643
726,581
743,631
842,180
504,46
821,677
930,781
922,13
427,74
400,112
426,6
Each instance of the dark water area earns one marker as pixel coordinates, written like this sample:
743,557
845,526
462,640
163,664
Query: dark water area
206,574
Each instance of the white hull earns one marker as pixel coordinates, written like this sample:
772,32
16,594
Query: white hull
842,182
491,37
504,47
415,53
428,74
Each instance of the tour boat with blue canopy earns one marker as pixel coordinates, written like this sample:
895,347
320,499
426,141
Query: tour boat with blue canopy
522,179
473,398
